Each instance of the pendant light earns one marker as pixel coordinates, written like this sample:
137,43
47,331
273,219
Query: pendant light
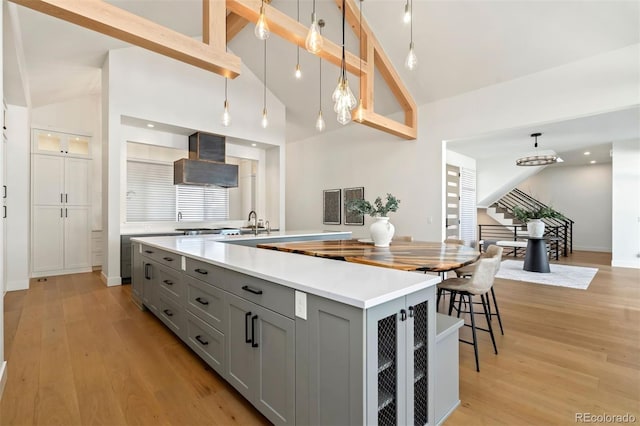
320,124
406,18
536,160
360,111
262,28
411,62
342,95
313,42
298,71
226,117
265,121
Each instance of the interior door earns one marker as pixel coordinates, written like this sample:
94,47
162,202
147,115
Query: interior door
453,202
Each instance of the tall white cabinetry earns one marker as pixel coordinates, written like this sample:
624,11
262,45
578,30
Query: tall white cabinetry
61,207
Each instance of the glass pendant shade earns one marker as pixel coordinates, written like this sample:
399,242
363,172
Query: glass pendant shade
344,101
313,42
265,120
298,72
360,112
226,117
411,62
407,14
262,28
320,124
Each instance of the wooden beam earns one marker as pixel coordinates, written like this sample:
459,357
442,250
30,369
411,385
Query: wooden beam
294,32
380,122
110,20
235,24
214,22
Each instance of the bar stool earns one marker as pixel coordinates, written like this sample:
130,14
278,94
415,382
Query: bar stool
467,272
479,284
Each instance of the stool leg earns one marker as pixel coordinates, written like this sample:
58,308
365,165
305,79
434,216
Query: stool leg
438,298
495,304
486,314
473,331
452,299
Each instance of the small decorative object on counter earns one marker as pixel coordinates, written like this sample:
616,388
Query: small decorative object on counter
381,230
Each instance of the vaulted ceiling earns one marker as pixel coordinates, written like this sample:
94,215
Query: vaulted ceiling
461,46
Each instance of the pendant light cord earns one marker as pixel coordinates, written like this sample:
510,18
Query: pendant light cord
264,83
298,18
344,66
411,23
360,42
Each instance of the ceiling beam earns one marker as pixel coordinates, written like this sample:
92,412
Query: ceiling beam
214,24
376,58
235,24
110,20
291,30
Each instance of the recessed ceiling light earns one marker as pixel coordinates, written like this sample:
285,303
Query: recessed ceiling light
253,144
587,153
592,161
150,125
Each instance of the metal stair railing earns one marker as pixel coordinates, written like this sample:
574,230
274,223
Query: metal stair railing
494,233
554,227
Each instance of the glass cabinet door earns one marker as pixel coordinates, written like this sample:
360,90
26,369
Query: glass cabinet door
48,142
77,145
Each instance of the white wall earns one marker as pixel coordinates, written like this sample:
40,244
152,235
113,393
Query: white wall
412,170
82,116
626,204
141,84
581,193
18,198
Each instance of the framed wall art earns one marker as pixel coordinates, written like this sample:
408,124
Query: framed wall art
331,206
352,218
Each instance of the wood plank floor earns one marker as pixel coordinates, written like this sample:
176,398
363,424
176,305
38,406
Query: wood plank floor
80,353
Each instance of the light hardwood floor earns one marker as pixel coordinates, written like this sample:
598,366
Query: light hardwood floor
80,353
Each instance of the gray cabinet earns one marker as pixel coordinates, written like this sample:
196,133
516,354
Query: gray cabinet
126,257
261,358
399,341
137,274
150,285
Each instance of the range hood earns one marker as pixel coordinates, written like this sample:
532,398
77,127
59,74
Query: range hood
205,165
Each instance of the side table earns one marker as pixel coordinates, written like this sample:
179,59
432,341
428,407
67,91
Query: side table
536,260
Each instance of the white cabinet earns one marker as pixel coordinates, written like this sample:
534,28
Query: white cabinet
48,142
61,220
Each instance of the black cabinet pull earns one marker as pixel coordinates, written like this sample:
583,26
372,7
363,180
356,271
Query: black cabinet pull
4,214
61,212
66,212
61,196
168,312
202,301
254,344
411,311
201,271
251,290
246,327
148,251
168,259
202,342
403,315
4,194
66,198
168,282
147,271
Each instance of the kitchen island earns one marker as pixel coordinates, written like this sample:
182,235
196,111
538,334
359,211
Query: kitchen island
305,340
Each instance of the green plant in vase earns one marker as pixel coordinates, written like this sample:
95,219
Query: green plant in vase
381,230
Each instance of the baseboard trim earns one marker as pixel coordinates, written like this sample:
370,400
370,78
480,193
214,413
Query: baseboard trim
3,378
60,272
110,281
16,285
598,249
625,264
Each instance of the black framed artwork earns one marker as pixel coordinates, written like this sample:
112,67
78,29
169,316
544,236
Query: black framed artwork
350,194
331,206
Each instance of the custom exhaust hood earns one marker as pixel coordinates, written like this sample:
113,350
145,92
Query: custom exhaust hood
205,165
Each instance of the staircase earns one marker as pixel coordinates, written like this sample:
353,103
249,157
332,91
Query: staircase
559,232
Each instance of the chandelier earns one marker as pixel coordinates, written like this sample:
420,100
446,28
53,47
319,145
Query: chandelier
536,160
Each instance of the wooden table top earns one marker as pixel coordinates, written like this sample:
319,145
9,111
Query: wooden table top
406,256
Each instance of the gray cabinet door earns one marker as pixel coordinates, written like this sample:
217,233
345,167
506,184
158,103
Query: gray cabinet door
241,357
275,348
150,285
137,278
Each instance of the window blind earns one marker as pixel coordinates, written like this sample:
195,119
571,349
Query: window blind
468,208
198,203
151,195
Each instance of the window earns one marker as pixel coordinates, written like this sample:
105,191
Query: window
152,196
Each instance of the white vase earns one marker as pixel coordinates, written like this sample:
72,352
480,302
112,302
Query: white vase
382,232
535,227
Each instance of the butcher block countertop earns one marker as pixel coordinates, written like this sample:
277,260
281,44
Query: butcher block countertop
403,255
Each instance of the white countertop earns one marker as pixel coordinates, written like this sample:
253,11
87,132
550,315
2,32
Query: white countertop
358,285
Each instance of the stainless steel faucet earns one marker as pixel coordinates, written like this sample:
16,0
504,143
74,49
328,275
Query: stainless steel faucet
255,221
179,216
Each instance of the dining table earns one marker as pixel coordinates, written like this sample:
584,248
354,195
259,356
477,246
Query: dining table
402,255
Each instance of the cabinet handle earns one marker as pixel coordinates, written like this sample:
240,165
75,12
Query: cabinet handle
61,212
168,312
246,327
202,342
4,194
168,282
254,344
251,290
61,197
201,271
148,251
202,301
66,212
66,198
168,259
4,213
147,271
411,311
403,315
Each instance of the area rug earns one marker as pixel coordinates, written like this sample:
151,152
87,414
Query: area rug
561,275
